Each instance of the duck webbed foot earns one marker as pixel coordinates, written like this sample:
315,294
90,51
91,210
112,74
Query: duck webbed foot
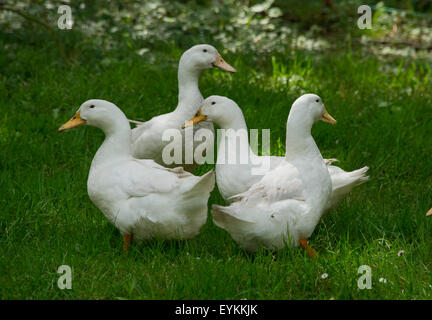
127,239
304,244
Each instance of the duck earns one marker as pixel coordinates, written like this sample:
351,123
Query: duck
237,177
286,204
147,142
138,196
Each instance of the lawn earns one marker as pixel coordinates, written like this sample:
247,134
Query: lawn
384,114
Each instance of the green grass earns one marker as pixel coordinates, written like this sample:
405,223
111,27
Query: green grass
47,219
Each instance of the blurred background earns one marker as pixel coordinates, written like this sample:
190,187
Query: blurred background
101,28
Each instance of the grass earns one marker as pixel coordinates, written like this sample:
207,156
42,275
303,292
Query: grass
47,220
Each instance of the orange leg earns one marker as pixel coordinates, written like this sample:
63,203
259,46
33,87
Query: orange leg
127,239
304,244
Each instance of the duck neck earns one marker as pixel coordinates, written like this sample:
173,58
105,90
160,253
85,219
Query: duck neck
299,141
234,139
189,97
303,153
117,143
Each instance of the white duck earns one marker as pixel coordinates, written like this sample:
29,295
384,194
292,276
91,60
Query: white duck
238,177
147,140
140,197
285,206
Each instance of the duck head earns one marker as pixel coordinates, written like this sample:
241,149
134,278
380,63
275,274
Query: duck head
217,109
202,57
101,114
308,109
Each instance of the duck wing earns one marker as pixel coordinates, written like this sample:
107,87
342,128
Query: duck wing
144,176
282,183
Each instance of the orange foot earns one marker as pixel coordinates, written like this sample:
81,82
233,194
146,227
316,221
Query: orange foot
429,213
127,239
304,244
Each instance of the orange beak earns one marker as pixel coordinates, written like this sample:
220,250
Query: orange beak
222,64
198,117
326,117
75,121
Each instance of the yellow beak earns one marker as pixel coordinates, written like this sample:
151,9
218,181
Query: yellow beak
222,64
326,117
196,119
429,213
75,121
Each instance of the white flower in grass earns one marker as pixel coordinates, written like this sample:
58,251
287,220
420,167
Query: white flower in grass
142,51
383,104
401,253
383,280
324,276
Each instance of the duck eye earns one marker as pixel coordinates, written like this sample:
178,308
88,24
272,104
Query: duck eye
317,100
92,106
213,102
204,50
